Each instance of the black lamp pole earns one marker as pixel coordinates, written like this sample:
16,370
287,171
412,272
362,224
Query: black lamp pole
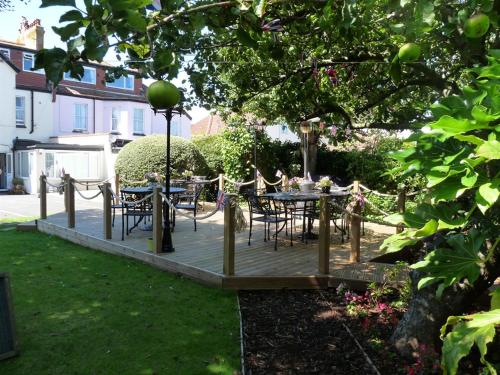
166,243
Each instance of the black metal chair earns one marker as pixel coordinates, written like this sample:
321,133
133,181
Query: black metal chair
337,207
141,211
264,210
189,201
114,206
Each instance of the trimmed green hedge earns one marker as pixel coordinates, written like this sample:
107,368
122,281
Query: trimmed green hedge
211,147
147,154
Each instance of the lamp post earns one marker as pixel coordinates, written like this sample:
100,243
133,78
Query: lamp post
166,243
163,97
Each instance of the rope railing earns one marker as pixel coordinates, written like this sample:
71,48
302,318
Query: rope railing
83,196
361,217
97,183
61,184
374,192
272,183
188,216
135,203
214,180
371,204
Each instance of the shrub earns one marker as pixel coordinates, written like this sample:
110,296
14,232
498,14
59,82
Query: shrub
147,154
210,147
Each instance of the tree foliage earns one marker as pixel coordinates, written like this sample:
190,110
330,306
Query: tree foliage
458,154
275,58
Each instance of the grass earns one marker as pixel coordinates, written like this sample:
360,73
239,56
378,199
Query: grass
79,311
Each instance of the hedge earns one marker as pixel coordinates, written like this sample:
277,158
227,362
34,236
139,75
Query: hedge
147,154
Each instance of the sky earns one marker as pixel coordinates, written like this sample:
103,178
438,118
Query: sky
9,30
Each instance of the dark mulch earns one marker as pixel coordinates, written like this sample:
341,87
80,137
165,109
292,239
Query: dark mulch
303,332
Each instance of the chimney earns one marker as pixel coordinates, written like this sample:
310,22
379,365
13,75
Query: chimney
31,34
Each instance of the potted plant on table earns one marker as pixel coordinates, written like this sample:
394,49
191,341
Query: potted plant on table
295,183
187,174
325,185
152,178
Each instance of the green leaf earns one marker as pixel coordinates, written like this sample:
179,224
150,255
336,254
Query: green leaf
451,126
49,3
495,299
486,196
489,150
136,20
469,138
245,39
469,179
448,190
395,69
52,61
259,7
68,31
72,15
480,113
461,261
473,329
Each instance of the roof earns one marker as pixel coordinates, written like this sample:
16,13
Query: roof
28,144
9,63
93,93
209,125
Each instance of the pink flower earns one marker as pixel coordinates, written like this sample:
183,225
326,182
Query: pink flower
333,130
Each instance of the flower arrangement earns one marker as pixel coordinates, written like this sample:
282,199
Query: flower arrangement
187,174
325,182
152,177
295,183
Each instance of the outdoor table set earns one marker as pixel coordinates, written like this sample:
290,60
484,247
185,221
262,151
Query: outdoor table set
282,208
134,205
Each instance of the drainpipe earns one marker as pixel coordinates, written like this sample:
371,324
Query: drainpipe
94,115
32,113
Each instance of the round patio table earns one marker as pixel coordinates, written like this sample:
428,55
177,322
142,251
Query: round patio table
304,197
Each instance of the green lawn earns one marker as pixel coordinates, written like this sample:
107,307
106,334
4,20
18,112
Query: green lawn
80,311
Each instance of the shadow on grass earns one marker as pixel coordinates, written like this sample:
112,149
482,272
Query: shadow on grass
85,312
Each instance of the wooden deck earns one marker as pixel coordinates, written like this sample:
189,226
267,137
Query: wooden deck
199,255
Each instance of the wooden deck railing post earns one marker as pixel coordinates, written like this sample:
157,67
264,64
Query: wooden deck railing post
229,224
66,191
285,184
43,197
355,226
71,202
157,220
401,207
106,209
117,188
324,234
221,182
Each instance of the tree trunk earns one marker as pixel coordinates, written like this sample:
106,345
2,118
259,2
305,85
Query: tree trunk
312,155
426,313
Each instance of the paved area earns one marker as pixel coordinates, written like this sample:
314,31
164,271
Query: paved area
12,206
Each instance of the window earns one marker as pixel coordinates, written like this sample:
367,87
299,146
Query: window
23,164
29,63
20,111
124,82
176,127
81,114
115,119
284,129
81,165
138,121
49,165
88,76
9,163
5,52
